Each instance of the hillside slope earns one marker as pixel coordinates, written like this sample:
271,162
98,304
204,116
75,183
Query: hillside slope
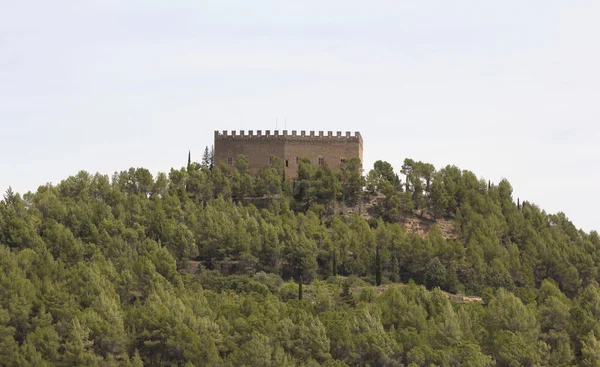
176,270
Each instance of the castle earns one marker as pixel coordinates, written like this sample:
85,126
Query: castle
321,148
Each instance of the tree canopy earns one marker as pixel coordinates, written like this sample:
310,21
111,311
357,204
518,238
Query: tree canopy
210,265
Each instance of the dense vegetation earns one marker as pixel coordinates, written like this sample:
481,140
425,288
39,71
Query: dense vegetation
209,265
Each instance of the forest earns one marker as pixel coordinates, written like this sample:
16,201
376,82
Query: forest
208,265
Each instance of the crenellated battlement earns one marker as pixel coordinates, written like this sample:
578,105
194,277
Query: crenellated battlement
286,135
261,146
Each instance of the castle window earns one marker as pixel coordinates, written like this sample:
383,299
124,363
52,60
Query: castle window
297,160
230,161
270,159
321,161
287,163
343,160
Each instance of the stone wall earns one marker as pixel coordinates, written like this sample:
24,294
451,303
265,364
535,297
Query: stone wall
259,148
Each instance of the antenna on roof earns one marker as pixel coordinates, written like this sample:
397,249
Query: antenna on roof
285,124
275,123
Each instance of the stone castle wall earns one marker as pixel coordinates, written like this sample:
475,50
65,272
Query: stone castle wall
259,148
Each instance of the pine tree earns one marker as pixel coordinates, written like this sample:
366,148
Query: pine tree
136,360
9,196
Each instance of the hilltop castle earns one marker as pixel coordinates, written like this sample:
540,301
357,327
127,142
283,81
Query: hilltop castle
260,149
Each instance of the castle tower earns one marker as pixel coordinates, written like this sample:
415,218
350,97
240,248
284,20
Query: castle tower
261,147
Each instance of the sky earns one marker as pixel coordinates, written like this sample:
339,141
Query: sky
505,89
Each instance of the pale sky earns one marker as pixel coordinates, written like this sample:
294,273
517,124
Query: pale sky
506,89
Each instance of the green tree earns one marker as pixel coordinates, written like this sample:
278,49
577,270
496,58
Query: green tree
206,159
305,188
351,179
513,330
346,294
377,267
8,345
326,184
590,351
221,177
242,180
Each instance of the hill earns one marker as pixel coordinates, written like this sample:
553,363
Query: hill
209,265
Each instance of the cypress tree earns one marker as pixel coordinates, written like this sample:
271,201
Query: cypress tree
334,265
300,289
347,294
377,267
189,159
206,160
395,269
